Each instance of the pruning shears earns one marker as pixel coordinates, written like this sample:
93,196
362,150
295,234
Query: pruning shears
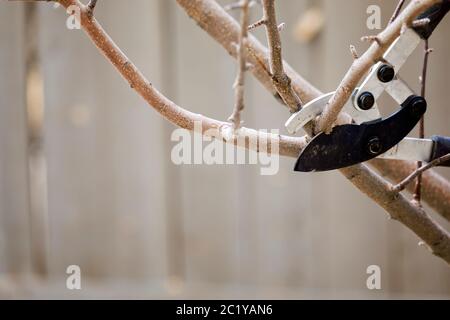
370,136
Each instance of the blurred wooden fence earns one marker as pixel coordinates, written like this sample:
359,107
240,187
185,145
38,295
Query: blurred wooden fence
109,199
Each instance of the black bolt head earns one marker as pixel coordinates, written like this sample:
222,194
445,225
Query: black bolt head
374,146
366,101
419,105
386,73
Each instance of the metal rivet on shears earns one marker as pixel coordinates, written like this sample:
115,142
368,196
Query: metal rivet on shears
374,146
366,101
371,135
418,105
386,73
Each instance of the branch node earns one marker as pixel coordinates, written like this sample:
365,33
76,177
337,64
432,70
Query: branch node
420,22
397,11
403,28
259,61
91,7
281,26
403,184
354,52
257,24
280,80
371,39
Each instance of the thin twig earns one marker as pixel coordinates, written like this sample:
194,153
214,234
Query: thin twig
423,82
371,39
397,11
420,22
354,52
435,188
91,6
218,20
280,79
262,64
402,185
239,84
287,146
257,24
281,26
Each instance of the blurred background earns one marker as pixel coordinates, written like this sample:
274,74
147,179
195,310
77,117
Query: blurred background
86,177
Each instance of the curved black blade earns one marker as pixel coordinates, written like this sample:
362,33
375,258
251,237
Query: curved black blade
350,144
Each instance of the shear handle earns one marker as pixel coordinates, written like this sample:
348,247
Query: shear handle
441,148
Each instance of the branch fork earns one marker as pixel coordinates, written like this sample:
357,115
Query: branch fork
415,218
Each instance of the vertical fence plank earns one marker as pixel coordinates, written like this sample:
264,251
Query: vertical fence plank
14,193
176,247
209,194
281,206
103,147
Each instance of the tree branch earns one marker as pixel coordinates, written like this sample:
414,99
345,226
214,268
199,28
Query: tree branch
362,65
402,185
354,52
397,11
257,24
212,18
280,79
215,21
423,84
402,210
435,188
437,239
239,84
91,5
288,146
